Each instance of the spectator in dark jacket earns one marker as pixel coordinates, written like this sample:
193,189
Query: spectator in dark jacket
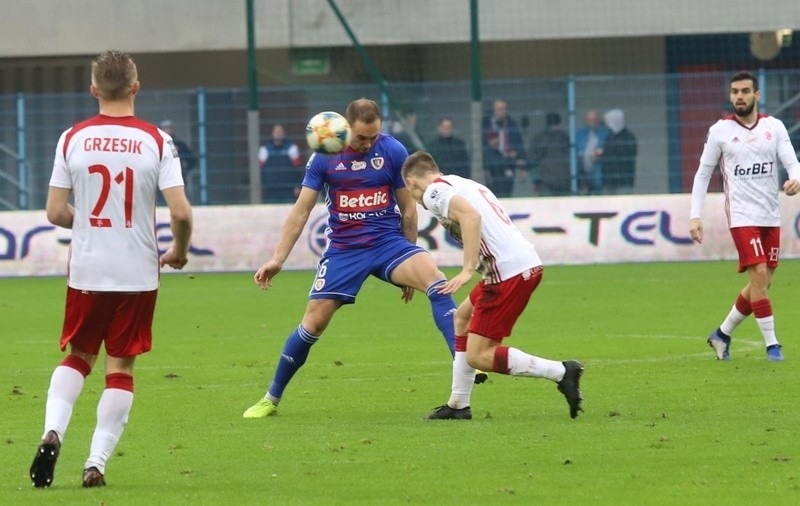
281,168
449,151
503,148
188,161
619,155
185,153
549,153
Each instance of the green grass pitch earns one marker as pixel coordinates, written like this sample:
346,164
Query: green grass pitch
664,422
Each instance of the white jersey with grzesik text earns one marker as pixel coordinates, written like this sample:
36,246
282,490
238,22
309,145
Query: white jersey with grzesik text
114,167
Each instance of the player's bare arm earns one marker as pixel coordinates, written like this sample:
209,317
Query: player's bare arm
292,228
408,213
180,213
408,221
460,211
59,211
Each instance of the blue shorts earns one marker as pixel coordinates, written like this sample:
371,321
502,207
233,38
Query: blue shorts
342,272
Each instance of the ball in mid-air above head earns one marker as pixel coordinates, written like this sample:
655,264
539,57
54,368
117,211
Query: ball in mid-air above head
328,133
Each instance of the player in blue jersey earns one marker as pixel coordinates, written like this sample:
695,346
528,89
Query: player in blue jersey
372,230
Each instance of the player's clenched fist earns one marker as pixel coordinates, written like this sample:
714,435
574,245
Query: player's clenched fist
696,230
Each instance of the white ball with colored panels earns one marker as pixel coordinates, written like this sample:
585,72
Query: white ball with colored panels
328,133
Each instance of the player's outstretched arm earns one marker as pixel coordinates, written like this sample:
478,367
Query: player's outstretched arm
292,228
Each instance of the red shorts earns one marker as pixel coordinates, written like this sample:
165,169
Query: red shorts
497,307
757,245
122,320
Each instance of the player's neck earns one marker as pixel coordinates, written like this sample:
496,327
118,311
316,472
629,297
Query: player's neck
116,108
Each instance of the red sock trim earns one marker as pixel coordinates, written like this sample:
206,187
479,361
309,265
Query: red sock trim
461,343
743,305
762,308
77,363
500,360
120,381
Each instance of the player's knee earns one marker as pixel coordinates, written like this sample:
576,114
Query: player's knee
474,361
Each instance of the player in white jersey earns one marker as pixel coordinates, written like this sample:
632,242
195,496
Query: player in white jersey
748,146
510,269
113,163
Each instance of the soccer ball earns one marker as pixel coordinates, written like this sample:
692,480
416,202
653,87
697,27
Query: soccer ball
328,133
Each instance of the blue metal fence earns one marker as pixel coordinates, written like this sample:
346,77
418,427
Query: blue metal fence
214,123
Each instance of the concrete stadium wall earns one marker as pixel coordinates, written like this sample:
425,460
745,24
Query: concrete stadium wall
79,27
437,62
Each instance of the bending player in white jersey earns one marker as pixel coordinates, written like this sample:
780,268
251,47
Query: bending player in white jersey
748,146
113,163
511,271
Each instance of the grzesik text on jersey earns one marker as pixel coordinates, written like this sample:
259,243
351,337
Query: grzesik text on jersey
113,145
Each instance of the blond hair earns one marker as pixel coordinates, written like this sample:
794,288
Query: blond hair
114,74
419,164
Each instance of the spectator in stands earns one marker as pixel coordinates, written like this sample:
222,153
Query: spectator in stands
449,151
590,140
503,147
401,131
279,159
549,153
500,170
187,156
619,155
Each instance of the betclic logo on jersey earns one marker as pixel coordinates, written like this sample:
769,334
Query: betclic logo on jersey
362,201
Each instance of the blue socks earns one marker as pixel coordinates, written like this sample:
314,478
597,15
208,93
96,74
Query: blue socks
443,307
298,344
294,355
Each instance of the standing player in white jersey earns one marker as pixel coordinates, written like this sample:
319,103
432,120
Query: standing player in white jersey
748,146
114,163
511,271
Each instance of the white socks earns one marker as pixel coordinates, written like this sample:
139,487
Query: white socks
66,384
767,326
732,321
112,415
463,380
522,364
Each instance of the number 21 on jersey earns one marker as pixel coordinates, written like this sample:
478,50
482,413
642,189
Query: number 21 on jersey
124,178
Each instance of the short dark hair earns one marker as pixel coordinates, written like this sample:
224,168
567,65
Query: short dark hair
744,75
363,110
